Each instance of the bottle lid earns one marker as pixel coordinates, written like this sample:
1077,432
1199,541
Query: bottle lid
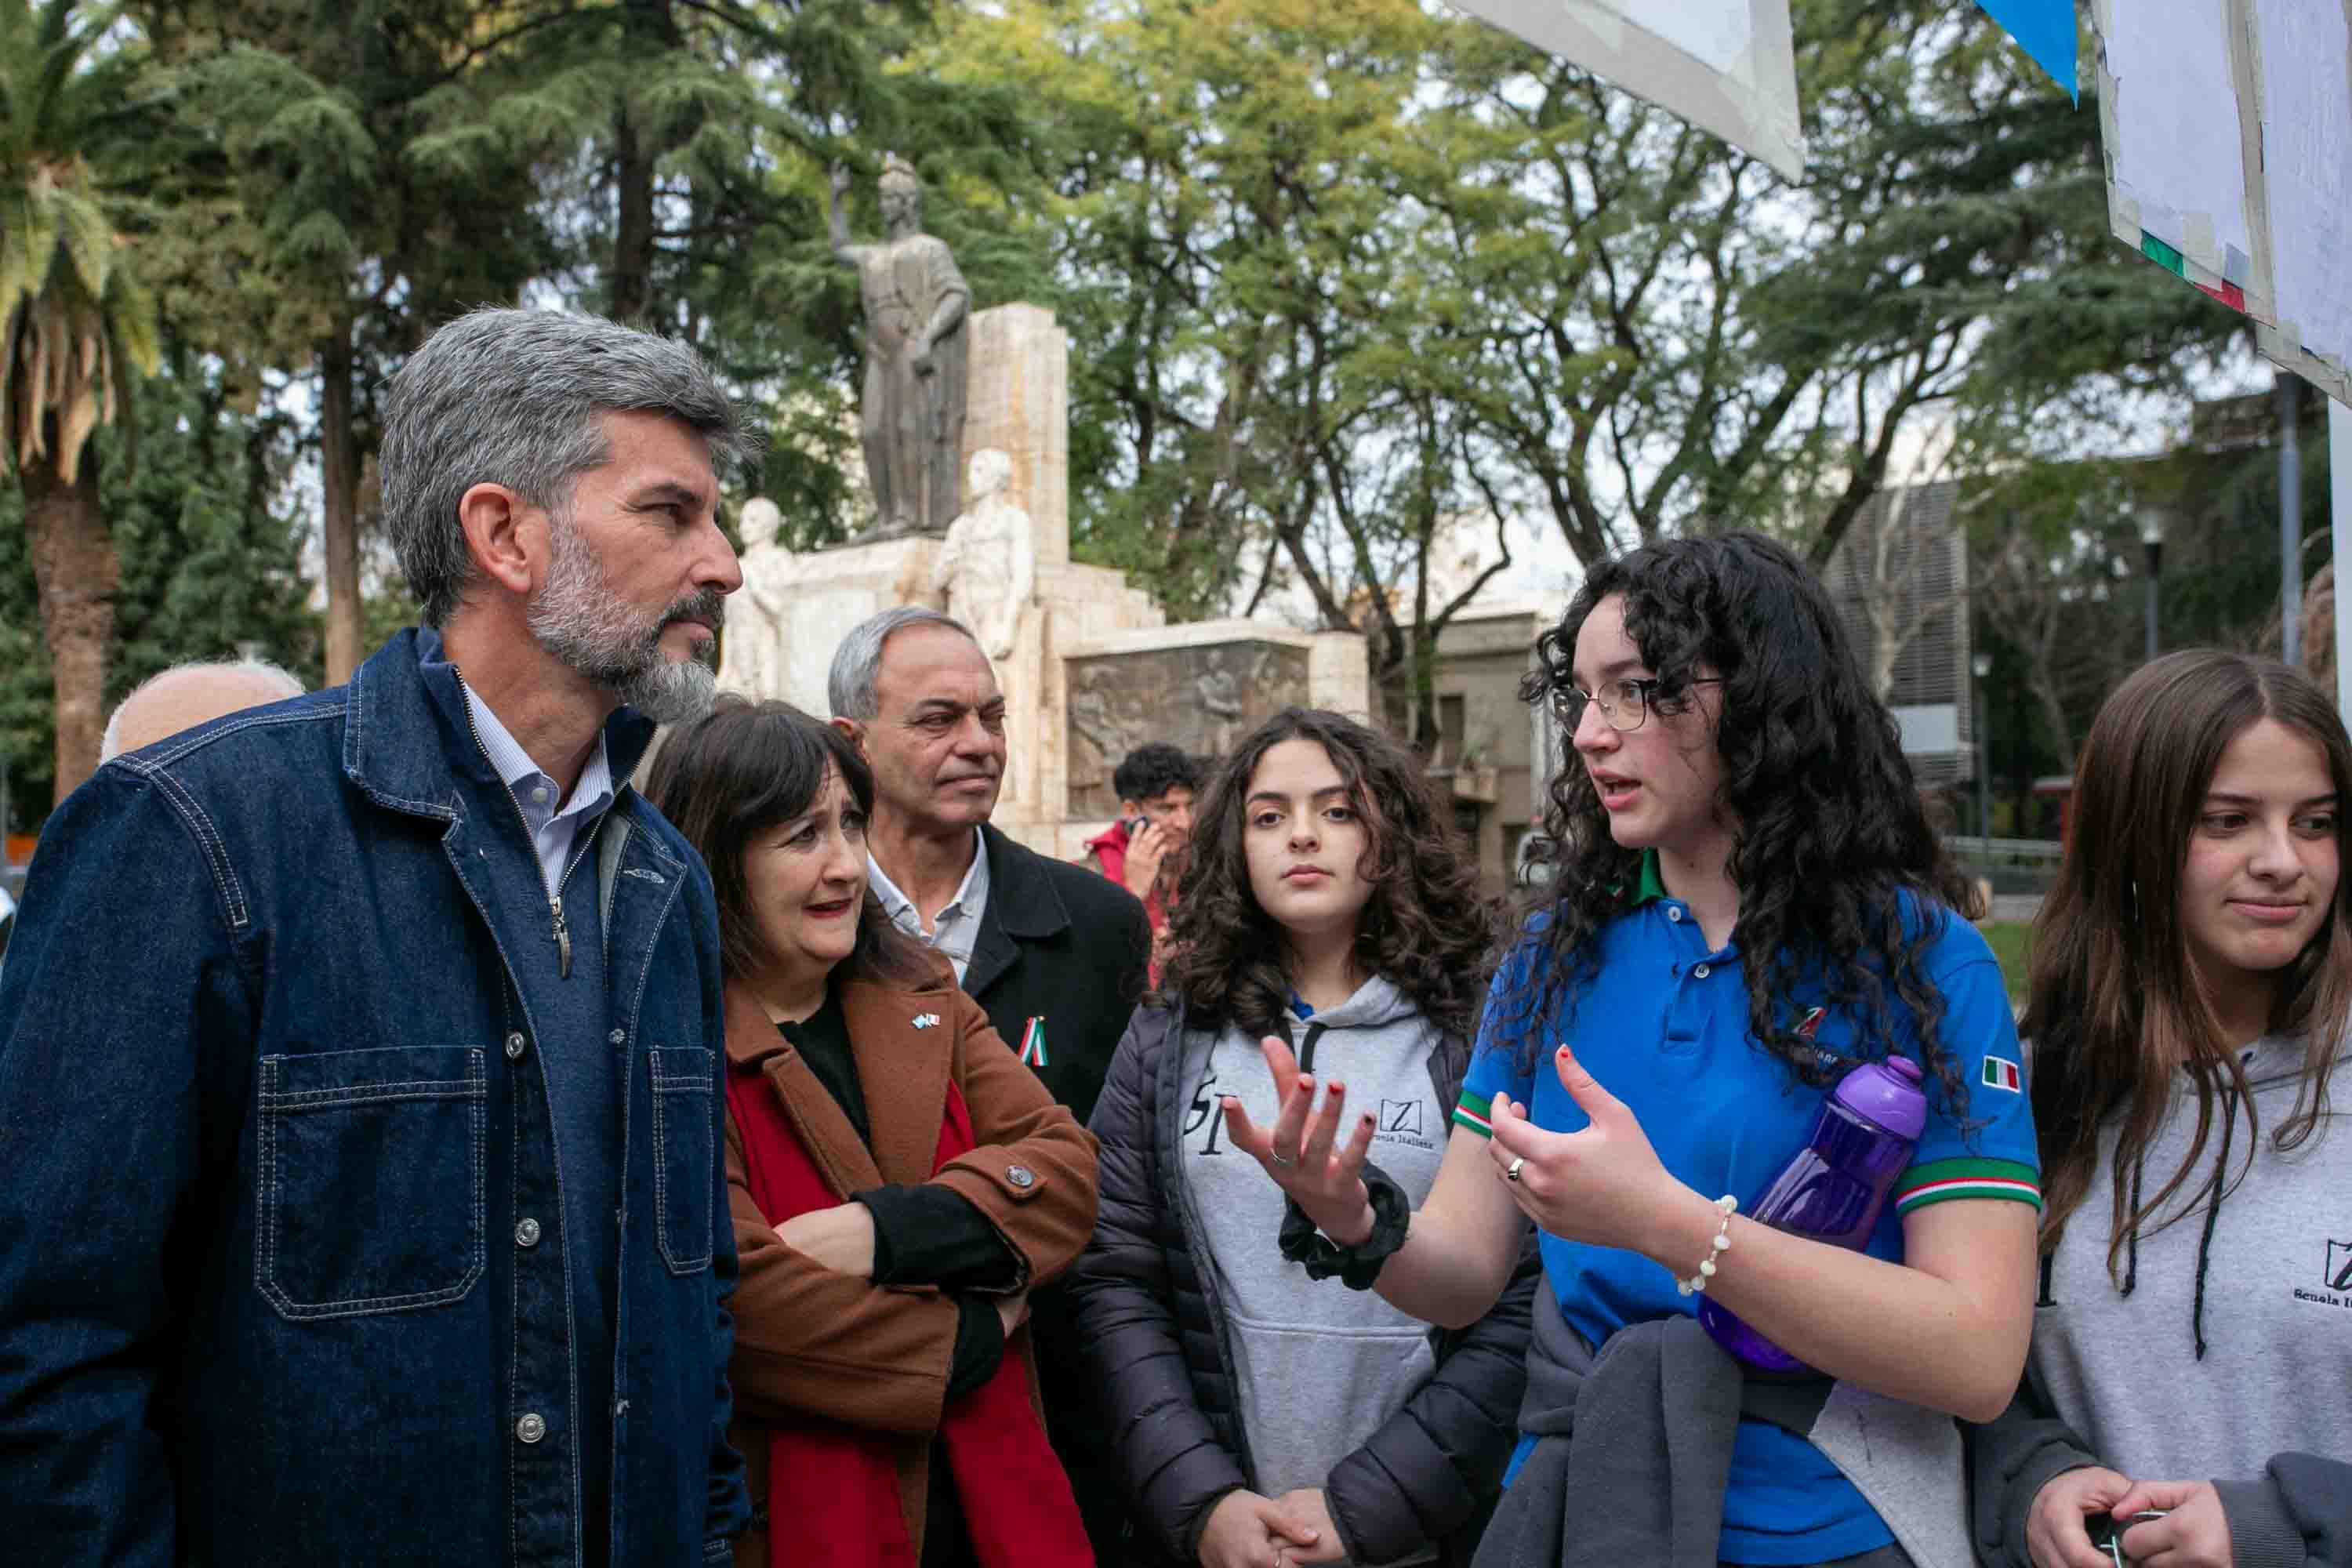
1887,1093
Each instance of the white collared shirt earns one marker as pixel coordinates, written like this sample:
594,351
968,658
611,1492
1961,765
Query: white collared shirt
555,823
958,925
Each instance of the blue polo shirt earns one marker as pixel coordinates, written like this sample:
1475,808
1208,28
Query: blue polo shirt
1663,1026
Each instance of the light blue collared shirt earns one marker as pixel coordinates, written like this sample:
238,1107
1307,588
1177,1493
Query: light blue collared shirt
958,926
555,823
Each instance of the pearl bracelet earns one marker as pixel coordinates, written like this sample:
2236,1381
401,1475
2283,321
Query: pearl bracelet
1725,1205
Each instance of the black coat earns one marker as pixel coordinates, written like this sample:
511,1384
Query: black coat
1153,1336
1063,943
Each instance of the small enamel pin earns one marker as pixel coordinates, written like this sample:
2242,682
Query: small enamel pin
926,1020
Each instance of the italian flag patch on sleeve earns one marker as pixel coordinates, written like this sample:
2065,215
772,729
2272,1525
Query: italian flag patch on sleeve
1940,1180
1999,1072
1473,1113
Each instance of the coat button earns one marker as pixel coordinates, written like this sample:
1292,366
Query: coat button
1021,1176
531,1428
514,1046
527,1233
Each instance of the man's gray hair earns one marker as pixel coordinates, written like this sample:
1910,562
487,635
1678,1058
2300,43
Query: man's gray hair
850,687
511,397
264,675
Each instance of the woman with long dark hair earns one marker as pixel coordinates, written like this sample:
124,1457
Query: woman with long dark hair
2191,987
1748,905
1259,1419
900,1182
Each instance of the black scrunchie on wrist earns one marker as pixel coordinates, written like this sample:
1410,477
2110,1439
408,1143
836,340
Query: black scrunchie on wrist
1357,1266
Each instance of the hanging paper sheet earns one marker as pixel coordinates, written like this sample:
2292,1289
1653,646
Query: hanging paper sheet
1726,66
2046,31
2227,128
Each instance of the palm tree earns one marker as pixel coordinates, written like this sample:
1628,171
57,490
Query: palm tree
73,325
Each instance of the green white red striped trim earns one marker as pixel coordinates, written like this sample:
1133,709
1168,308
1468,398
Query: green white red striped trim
1473,1113
1940,1180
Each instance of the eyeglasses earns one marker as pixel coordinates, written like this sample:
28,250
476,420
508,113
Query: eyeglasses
1625,712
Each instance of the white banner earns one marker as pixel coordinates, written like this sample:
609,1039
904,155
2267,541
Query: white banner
1726,66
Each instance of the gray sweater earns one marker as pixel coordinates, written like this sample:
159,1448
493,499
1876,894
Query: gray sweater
2224,1352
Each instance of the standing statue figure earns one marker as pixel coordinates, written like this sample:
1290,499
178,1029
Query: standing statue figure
752,654
912,414
988,568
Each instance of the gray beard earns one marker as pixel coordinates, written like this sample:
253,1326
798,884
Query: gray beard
580,620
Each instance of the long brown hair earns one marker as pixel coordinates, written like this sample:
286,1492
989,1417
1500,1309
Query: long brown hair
1426,928
739,770
2116,1003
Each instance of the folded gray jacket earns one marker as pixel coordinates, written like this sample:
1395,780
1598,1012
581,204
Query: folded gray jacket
1634,1448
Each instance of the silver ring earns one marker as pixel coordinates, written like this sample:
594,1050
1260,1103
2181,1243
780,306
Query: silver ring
1278,1159
1511,1171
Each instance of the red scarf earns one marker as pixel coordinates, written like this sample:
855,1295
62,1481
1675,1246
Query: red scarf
833,1489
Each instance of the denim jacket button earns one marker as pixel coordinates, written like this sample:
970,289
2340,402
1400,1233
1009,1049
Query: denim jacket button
531,1428
527,1233
514,1046
617,1037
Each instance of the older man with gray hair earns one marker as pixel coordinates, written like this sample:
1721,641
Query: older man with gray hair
186,695
1053,952
360,1056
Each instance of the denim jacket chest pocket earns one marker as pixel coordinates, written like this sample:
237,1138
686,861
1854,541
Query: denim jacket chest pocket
685,1133
369,1179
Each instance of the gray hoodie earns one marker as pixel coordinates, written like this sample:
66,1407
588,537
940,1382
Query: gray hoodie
1317,1369
2226,1345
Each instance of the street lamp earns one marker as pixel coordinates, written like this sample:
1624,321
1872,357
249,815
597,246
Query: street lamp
2152,543
1981,666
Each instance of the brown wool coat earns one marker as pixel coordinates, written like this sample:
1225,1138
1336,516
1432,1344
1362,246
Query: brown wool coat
809,1341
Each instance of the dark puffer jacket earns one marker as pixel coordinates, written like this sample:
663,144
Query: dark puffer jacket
1155,1343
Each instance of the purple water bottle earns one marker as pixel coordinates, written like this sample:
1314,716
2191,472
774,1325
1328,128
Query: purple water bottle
1835,1186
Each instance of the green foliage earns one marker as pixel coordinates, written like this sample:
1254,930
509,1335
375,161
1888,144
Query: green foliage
211,556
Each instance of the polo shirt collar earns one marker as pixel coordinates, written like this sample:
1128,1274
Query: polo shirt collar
1647,887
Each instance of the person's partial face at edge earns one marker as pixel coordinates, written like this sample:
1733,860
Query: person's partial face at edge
1660,784
1305,841
638,589
1171,810
805,879
2259,876
936,743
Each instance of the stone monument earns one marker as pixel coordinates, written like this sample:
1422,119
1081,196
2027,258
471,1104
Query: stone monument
752,654
911,409
988,566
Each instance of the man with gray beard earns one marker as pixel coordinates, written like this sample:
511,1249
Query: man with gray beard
359,1054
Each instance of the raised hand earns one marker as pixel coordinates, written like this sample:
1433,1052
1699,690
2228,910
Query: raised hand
1302,1151
2056,1526
1145,852
1604,1186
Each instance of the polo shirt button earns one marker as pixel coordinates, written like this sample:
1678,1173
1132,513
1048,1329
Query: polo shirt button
527,1233
531,1428
1700,973
514,1047
1675,913
1021,1176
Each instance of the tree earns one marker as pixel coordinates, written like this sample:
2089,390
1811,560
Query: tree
75,328
211,552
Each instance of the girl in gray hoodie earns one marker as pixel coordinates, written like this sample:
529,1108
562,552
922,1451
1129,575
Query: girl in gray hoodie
2192,977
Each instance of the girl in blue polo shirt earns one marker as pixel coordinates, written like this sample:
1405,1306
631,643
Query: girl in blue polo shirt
1748,901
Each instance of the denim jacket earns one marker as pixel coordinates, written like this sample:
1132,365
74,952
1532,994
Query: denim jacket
281,1273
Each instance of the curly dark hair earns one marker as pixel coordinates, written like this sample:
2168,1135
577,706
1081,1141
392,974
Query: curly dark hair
1152,770
740,770
1426,927
1830,836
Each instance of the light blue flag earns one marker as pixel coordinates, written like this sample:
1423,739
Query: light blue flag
2045,29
